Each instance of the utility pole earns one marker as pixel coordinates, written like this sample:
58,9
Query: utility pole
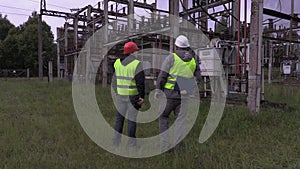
40,38
66,34
174,23
291,22
105,49
234,21
88,68
185,17
290,46
270,61
40,46
255,56
58,53
130,16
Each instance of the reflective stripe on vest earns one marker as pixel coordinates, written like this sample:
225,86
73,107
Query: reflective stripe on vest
180,68
126,85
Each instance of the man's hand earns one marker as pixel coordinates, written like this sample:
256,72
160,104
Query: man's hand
140,101
183,92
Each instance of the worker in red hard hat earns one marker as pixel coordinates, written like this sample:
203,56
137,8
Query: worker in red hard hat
130,47
130,89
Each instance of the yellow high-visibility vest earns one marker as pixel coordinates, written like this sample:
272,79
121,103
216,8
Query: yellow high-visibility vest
180,68
126,85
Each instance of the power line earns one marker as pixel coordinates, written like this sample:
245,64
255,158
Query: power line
50,4
10,13
16,8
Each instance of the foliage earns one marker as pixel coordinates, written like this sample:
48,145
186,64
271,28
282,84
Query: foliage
5,26
9,50
19,50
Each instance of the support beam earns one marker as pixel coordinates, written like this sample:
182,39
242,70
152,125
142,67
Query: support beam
255,57
281,30
281,15
62,14
281,40
137,4
210,5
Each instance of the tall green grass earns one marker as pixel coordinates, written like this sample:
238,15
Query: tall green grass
39,129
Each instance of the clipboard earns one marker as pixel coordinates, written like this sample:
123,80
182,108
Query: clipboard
183,83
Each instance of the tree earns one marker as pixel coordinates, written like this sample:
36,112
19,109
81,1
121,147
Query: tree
9,50
20,47
5,26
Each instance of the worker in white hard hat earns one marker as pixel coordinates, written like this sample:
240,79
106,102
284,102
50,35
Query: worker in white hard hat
176,80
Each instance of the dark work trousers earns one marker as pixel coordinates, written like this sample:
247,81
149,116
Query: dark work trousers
126,106
180,109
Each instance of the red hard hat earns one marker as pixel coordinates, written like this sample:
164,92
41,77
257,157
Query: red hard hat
130,47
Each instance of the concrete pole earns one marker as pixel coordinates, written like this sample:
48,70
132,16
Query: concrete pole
270,62
262,76
174,24
105,49
50,71
185,17
58,53
255,56
291,22
234,22
40,46
66,72
130,16
28,74
89,46
75,23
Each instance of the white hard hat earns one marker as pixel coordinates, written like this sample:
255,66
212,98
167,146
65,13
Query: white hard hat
182,42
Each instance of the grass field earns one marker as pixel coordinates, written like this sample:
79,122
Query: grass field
39,129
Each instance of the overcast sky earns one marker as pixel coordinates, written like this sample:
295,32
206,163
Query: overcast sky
18,11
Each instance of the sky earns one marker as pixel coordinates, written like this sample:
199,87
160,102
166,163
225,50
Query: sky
18,11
